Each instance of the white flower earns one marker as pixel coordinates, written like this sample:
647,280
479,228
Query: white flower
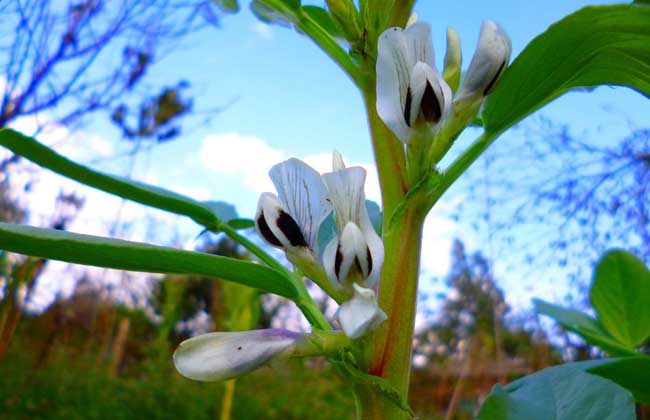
292,220
357,253
410,91
361,313
225,355
488,63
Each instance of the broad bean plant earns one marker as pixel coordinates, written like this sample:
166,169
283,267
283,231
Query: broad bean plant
369,263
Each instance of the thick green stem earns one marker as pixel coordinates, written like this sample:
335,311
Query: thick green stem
391,359
389,156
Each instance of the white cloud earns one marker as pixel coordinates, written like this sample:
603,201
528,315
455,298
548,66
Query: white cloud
262,30
245,157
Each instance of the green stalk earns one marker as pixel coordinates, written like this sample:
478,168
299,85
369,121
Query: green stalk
308,307
304,301
389,156
254,249
328,44
397,297
390,355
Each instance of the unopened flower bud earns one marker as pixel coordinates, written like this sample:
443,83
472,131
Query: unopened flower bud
337,161
453,60
225,355
347,17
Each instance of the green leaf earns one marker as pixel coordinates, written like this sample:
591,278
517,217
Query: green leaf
134,256
632,373
604,45
641,2
586,327
562,392
323,18
230,6
208,214
281,12
620,293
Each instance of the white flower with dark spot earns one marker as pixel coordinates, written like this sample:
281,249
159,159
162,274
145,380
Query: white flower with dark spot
411,94
356,254
291,219
488,64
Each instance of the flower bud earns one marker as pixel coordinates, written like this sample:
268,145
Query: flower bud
225,355
488,64
453,60
337,161
361,313
347,17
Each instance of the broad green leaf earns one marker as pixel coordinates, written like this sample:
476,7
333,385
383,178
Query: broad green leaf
134,256
206,214
620,293
230,6
281,12
604,45
586,327
642,2
632,373
323,18
559,393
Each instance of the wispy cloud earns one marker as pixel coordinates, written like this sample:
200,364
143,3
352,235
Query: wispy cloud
262,30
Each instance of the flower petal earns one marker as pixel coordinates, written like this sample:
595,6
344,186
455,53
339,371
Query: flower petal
428,101
329,262
376,247
225,355
393,69
418,40
488,63
346,190
361,313
346,194
302,191
275,225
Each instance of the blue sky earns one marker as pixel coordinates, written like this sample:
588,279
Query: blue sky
285,98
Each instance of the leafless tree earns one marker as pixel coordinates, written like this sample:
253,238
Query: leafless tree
561,198
75,57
